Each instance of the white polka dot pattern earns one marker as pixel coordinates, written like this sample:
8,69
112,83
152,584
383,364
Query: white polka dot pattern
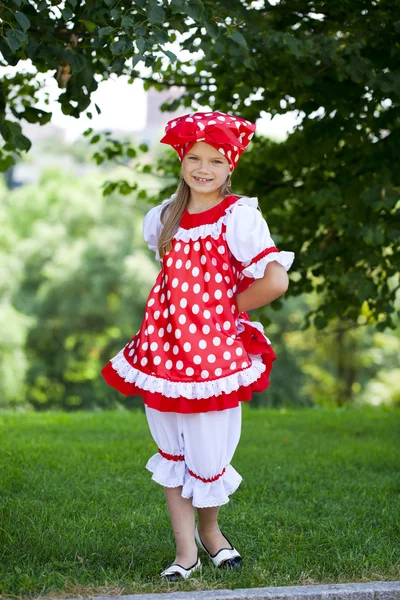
189,333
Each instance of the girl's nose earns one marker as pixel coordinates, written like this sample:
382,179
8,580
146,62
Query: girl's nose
203,165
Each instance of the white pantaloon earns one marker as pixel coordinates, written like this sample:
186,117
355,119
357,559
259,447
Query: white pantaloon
194,451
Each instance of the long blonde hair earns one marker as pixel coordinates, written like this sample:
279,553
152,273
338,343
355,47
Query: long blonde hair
172,213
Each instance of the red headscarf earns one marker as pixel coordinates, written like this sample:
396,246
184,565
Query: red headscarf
230,135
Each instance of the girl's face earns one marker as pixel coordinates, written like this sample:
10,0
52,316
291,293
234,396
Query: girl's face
205,169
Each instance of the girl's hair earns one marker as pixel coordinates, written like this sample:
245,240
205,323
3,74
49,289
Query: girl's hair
175,209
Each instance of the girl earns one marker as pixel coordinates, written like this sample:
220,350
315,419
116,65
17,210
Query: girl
197,355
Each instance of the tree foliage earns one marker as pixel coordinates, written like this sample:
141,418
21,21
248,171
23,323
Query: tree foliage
74,285
82,43
75,291
331,190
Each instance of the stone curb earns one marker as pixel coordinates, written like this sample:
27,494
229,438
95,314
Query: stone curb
373,590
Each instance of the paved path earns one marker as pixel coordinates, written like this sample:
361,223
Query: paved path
373,590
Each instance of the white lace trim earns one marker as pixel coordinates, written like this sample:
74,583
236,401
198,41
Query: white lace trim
168,473
257,269
212,229
190,390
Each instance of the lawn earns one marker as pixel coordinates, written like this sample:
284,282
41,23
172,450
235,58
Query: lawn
320,503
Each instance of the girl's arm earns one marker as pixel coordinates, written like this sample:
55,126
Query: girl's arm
263,291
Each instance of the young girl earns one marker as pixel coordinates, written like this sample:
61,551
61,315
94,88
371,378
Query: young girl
198,355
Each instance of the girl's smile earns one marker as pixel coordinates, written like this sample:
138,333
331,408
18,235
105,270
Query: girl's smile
201,179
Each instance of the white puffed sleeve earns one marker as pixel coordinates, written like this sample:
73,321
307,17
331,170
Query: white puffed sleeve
248,236
151,226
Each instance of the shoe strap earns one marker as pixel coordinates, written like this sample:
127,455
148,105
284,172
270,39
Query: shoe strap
223,555
174,568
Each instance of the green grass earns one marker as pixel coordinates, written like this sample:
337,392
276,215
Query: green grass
80,515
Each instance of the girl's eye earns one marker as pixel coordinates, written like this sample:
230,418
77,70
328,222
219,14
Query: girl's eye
192,158
219,162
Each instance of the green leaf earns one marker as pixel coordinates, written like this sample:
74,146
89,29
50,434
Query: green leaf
194,9
98,109
142,195
95,139
126,188
67,14
76,60
177,6
121,46
12,41
127,23
212,29
249,62
16,38
6,161
7,54
31,48
117,65
88,131
178,24
141,44
22,20
136,59
172,57
115,13
294,46
89,25
87,78
140,30
21,142
109,187
36,115
239,39
160,35
156,14
104,31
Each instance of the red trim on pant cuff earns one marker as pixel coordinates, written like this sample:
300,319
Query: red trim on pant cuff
176,458
207,480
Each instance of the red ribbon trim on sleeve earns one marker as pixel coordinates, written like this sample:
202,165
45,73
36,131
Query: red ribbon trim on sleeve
262,254
248,280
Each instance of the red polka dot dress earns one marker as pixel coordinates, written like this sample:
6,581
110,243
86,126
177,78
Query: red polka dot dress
194,352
